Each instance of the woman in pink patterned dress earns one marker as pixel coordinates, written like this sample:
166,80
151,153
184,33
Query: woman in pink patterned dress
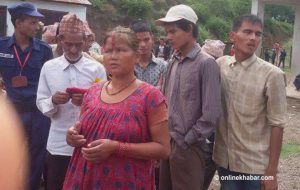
123,126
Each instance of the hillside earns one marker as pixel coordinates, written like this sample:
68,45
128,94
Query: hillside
215,16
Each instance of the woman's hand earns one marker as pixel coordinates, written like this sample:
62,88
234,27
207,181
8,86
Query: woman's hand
73,138
99,150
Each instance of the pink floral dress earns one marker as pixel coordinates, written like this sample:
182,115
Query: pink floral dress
125,121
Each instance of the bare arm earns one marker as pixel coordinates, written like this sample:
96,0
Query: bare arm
275,147
158,148
276,107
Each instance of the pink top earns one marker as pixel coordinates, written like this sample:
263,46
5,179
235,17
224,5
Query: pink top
125,121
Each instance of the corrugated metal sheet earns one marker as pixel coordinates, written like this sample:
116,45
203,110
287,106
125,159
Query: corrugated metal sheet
82,2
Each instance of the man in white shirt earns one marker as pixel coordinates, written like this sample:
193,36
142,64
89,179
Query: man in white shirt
72,69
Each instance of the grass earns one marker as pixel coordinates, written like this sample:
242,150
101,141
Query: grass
290,149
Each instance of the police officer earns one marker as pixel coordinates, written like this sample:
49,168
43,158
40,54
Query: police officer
21,59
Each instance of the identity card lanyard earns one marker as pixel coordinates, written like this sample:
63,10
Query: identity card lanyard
22,65
20,81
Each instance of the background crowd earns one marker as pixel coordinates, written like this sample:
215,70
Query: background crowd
133,114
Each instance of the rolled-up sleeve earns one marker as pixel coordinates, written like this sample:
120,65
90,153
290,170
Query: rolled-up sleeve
276,100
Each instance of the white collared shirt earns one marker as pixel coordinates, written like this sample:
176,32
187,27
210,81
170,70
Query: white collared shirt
58,75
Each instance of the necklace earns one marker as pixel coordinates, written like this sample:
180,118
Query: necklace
111,94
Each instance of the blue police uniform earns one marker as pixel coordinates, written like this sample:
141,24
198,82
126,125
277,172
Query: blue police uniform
36,125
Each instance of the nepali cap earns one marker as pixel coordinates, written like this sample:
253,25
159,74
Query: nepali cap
87,30
70,23
214,47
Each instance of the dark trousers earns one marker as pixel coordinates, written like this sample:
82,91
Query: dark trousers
190,168
242,184
57,166
283,63
36,127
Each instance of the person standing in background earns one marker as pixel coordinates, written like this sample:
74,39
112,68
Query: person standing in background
267,55
50,36
277,52
149,68
91,46
214,48
282,58
21,59
159,51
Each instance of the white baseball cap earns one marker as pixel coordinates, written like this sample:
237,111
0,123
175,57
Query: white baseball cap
179,12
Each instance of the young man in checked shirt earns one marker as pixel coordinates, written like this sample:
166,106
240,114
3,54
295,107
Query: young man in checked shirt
249,135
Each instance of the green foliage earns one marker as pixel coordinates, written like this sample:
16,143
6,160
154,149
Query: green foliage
98,3
280,13
287,28
200,9
215,16
203,34
137,8
290,149
241,7
273,26
221,8
218,27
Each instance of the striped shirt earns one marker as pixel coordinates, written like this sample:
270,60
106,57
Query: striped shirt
253,101
194,97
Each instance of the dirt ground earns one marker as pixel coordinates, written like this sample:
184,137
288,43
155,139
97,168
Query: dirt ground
289,167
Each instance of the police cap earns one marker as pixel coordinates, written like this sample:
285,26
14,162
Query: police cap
24,8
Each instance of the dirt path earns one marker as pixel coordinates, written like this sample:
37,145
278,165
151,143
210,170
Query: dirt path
289,167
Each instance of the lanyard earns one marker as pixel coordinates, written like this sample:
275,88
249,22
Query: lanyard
22,65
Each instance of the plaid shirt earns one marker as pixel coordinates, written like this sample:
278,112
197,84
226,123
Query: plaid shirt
253,101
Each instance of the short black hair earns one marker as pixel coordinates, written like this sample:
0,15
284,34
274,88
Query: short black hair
140,26
185,25
237,22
